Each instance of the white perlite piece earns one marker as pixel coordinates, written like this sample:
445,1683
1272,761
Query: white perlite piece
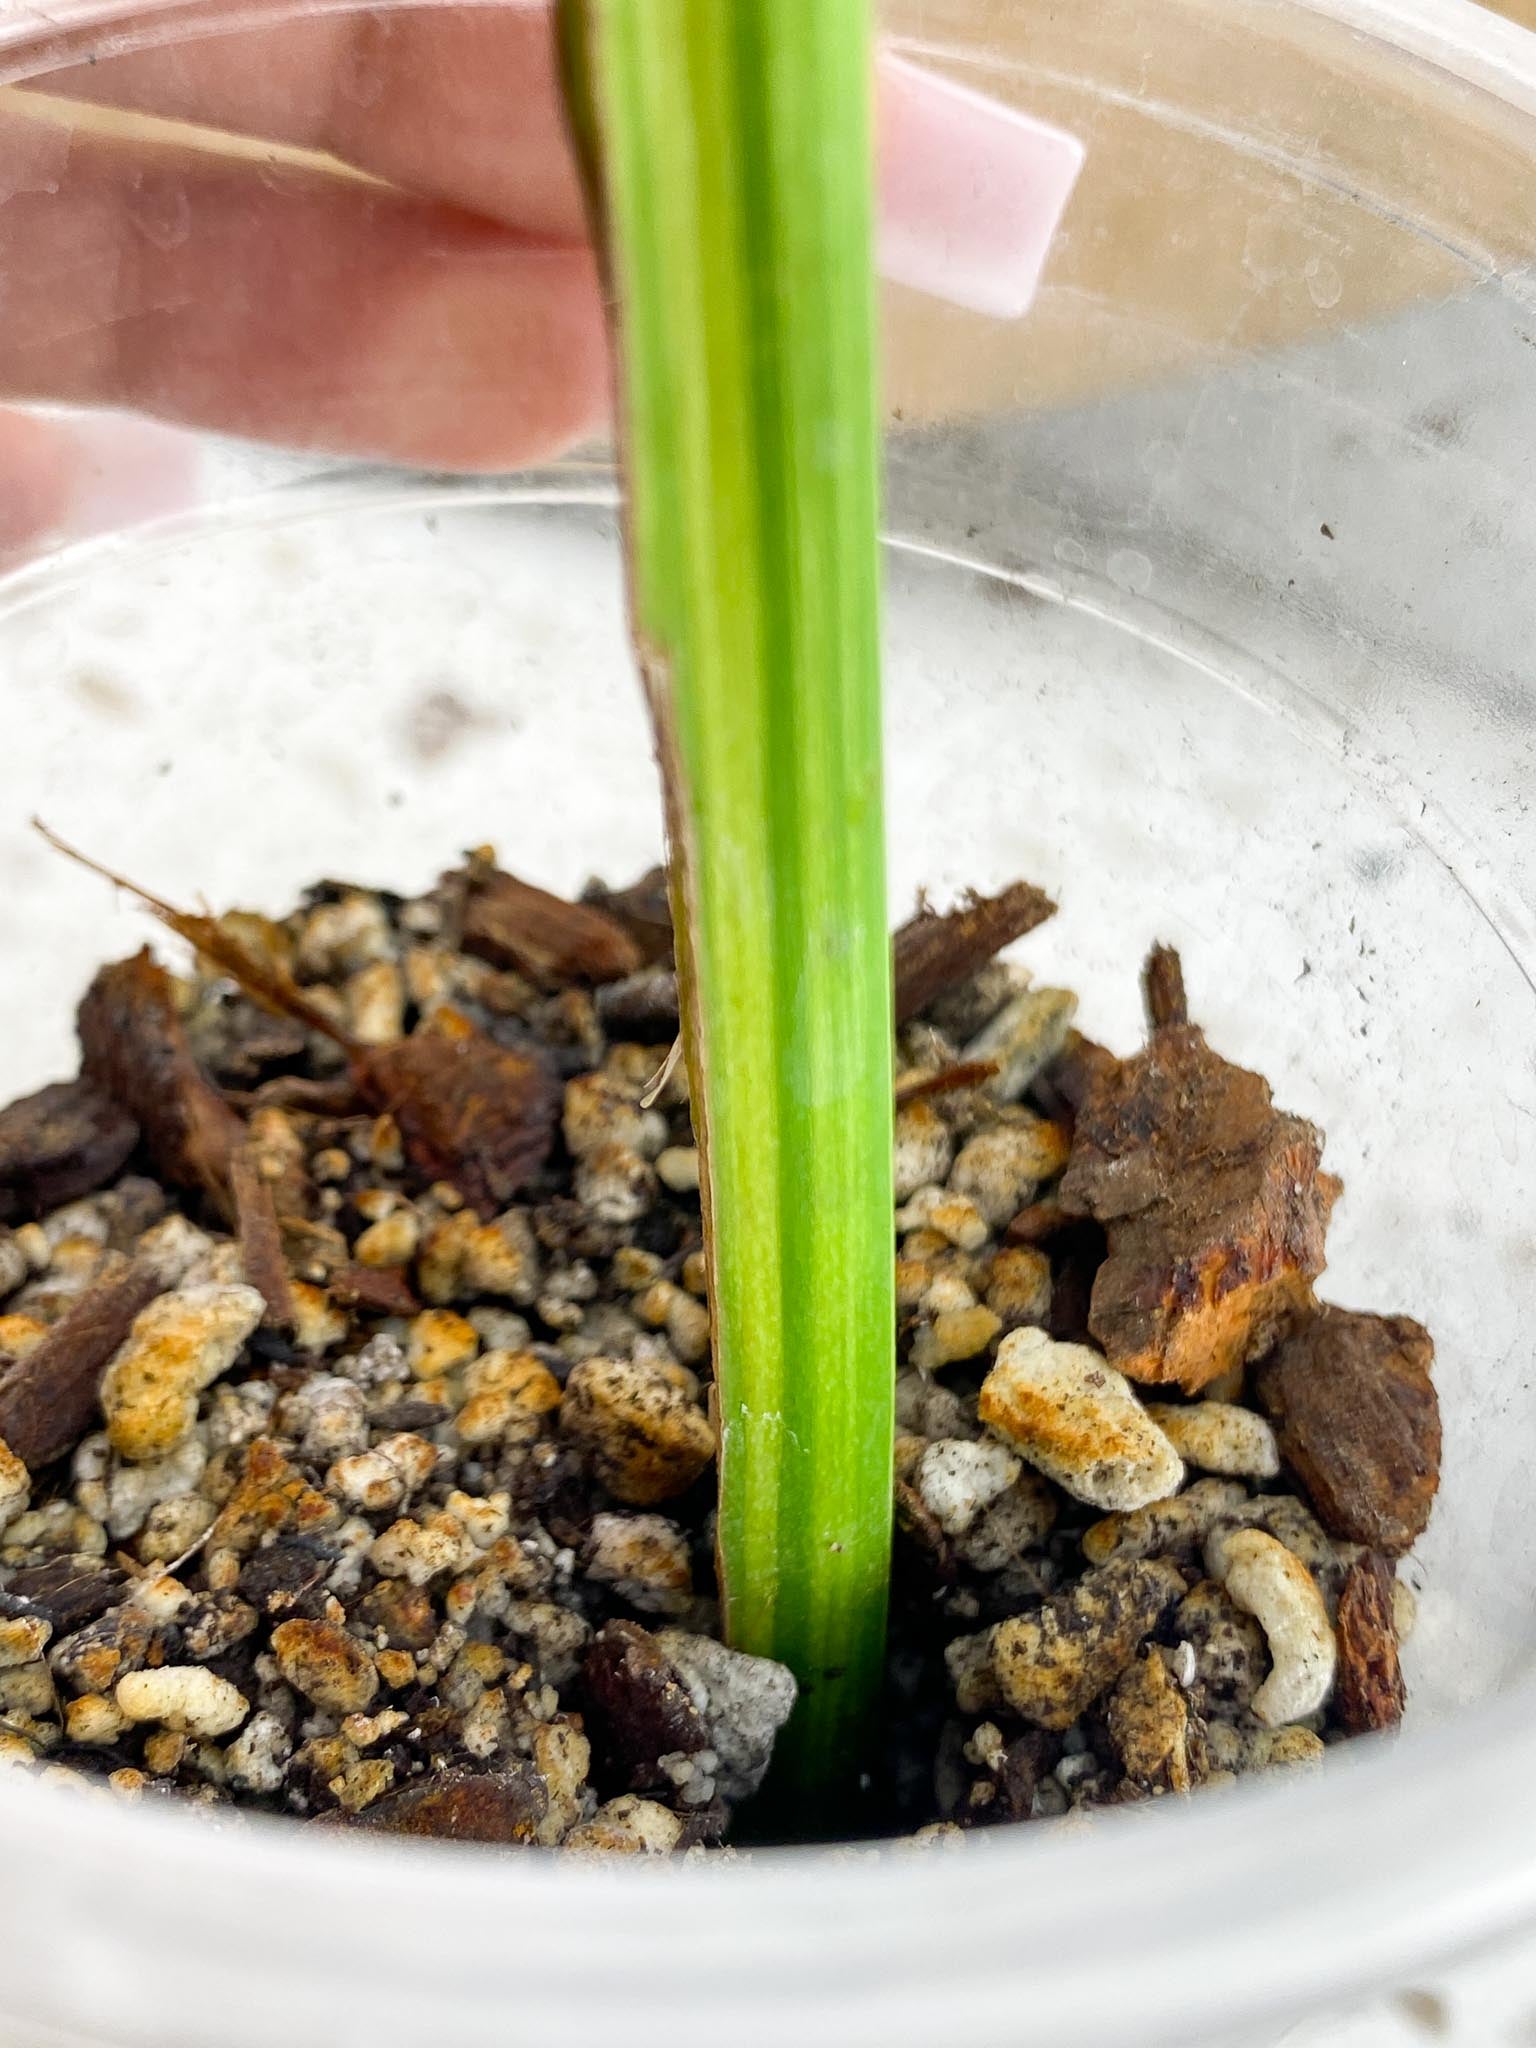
1266,1580
743,1701
183,1697
134,1490
958,1479
1017,1520
23,1640
628,1826
177,1346
1023,1038
1068,1411
256,1759
1219,1437
999,1169
418,1551
15,1485
329,1416
923,1152
953,1216
645,1558
173,1247
382,1477
677,1168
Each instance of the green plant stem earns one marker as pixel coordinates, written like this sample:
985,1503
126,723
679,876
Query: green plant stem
729,142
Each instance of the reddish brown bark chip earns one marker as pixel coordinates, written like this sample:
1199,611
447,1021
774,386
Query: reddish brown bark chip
63,1142
48,1399
261,1237
382,1290
1358,1422
637,1707
335,1096
1063,1088
500,1807
1162,984
935,949
469,1111
512,924
1369,1693
1214,1205
134,1049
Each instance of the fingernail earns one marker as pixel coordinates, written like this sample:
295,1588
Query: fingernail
971,191
124,471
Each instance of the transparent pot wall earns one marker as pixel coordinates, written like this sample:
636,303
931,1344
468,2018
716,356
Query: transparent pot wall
1208,608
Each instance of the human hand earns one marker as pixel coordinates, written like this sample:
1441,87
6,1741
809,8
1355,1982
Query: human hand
420,291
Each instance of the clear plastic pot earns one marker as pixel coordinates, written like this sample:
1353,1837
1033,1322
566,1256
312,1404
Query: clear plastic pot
1209,607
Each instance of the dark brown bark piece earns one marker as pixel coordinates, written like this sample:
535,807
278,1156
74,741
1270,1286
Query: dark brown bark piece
642,1006
644,909
383,1290
1214,1205
1077,1253
48,1399
935,949
1358,1422
637,1707
134,1048
469,1111
1027,1760
504,1808
419,1416
66,1591
553,942
245,1042
282,1578
334,1097
1162,984
1369,1693
65,1141
261,1239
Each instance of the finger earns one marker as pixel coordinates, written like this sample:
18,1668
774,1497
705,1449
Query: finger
461,104
37,483
464,104
66,478
288,305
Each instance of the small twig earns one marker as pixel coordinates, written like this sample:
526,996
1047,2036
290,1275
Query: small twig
262,981
189,1553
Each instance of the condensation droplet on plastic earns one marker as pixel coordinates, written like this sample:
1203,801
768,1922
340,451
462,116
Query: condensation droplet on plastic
1072,552
1325,285
1130,570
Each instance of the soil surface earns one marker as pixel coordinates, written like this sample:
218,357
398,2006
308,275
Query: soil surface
355,1460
